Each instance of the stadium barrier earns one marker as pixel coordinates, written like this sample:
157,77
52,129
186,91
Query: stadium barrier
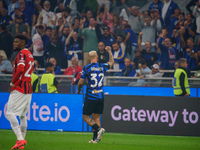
122,113
152,115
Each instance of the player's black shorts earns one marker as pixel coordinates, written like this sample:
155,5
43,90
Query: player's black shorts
93,106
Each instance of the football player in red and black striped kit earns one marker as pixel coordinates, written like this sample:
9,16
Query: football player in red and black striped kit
20,90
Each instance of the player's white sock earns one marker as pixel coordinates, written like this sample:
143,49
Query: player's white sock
23,125
18,133
15,126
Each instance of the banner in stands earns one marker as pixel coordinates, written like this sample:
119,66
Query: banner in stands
49,112
152,115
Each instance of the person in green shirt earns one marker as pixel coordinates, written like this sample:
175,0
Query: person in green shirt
90,39
48,83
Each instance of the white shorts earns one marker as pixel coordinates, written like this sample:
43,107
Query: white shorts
18,103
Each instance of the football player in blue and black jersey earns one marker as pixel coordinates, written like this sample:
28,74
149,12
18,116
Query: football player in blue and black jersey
94,98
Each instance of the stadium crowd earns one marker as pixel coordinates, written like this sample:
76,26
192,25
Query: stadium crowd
59,30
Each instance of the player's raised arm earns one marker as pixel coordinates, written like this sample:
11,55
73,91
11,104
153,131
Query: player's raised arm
111,59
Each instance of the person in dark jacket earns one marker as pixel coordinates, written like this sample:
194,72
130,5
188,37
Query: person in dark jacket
128,70
6,41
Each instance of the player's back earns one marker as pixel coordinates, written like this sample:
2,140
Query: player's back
94,73
24,58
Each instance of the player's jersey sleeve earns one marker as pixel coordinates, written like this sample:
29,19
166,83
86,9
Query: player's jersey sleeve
83,75
22,58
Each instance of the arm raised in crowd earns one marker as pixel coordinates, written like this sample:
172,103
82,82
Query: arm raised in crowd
111,59
140,42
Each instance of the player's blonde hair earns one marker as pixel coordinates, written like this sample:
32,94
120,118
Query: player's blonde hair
92,54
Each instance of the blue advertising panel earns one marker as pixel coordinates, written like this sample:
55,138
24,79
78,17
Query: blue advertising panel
49,112
144,91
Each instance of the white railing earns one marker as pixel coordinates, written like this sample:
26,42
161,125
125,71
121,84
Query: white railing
113,70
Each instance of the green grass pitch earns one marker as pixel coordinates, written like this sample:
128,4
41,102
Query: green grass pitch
51,140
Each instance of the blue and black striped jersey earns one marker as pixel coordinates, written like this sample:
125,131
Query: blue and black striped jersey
94,73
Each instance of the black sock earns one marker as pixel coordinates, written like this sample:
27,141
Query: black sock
94,135
96,127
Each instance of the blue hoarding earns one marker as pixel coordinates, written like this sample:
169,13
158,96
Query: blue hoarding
49,112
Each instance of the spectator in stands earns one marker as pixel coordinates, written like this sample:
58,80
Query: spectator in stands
86,19
6,41
107,19
90,39
74,13
5,65
34,80
120,40
121,30
46,13
28,35
191,55
179,38
119,56
155,16
18,27
103,4
178,19
196,13
167,11
156,6
75,26
133,20
149,31
190,26
74,48
38,46
12,5
59,8
116,25
128,70
90,5
155,73
74,70
176,65
143,69
99,19
103,56
168,53
40,3
4,17
28,12
147,54
65,15
48,82
107,38
191,3
122,10
130,42
57,70
55,49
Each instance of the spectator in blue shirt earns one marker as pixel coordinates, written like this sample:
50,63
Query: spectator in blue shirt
107,38
156,6
28,12
167,11
128,70
191,55
57,70
168,56
4,17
